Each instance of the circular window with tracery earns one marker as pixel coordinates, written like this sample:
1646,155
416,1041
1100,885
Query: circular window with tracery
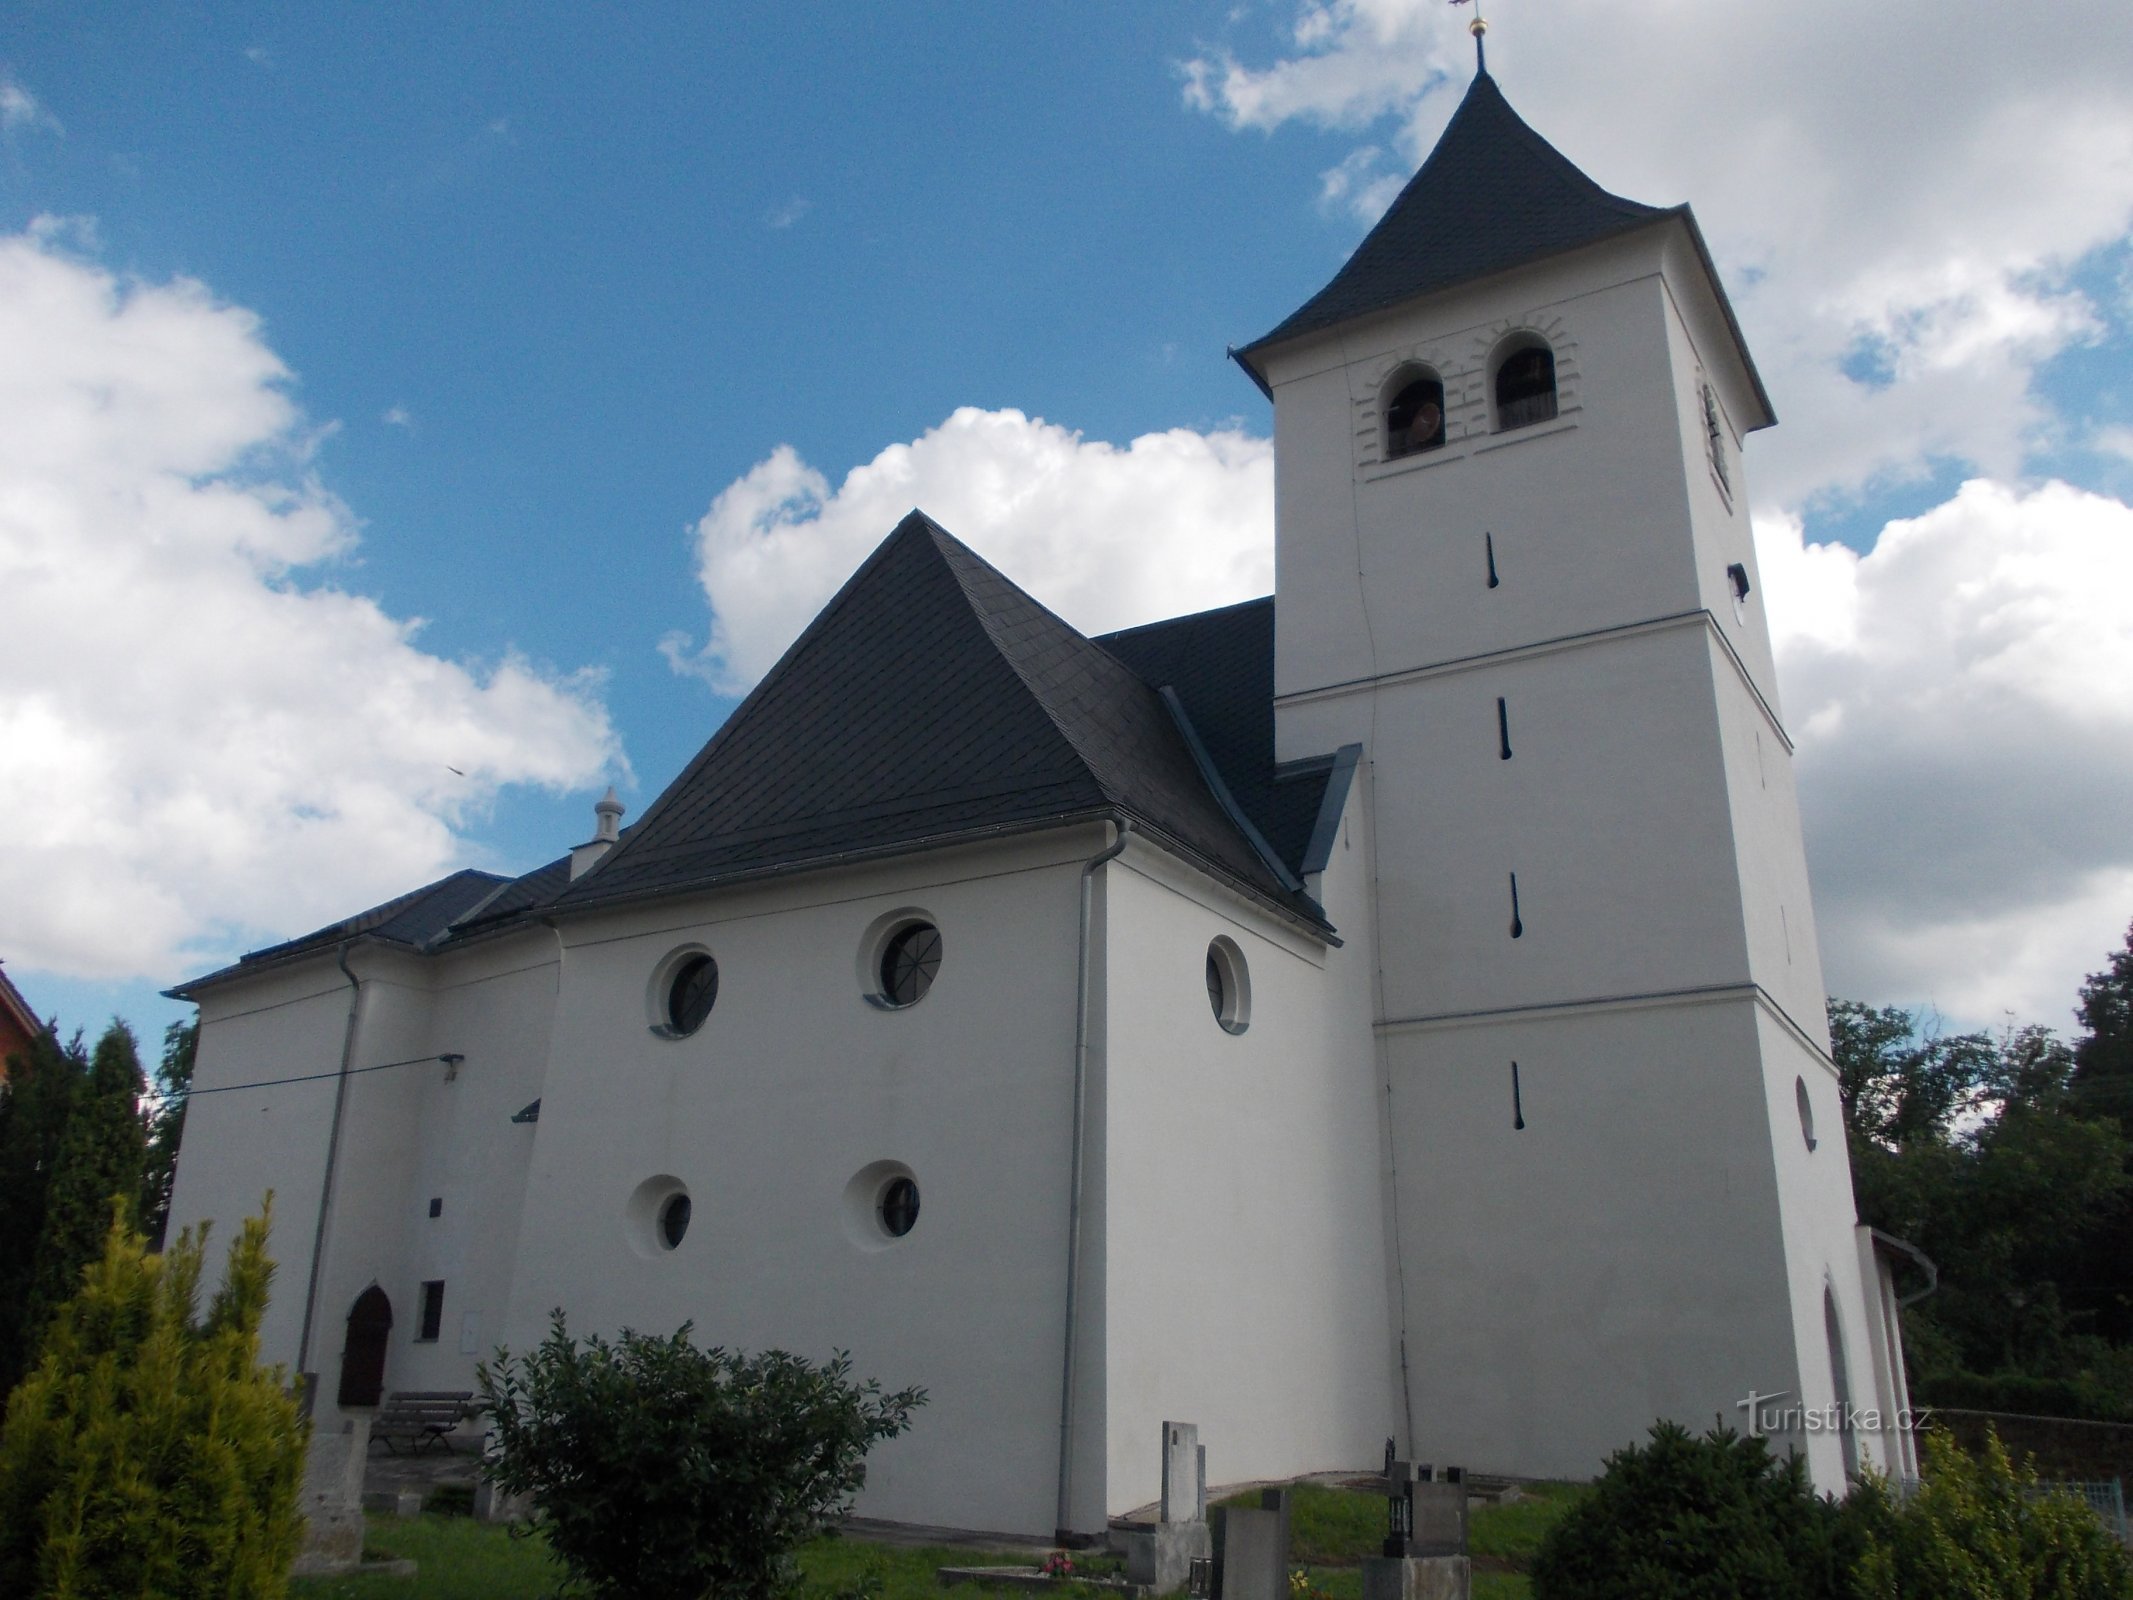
899,1207
674,1220
909,963
1229,986
691,993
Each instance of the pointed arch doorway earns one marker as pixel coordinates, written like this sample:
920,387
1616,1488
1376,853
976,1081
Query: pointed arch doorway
370,1326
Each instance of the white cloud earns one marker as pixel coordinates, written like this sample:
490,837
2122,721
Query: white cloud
791,212
1105,535
398,417
21,109
1960,698
204,742
1919,175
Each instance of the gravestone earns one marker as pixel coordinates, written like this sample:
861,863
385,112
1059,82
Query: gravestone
1426,1535
1161,1557
1255,1549
332,1502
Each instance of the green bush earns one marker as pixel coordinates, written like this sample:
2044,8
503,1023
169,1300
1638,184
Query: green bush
149,1453
1683,1518
1976,1530
659,1471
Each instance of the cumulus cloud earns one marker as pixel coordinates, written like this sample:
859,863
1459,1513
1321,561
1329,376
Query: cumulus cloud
205,740
1106,535
1960,701
21,109
1914,180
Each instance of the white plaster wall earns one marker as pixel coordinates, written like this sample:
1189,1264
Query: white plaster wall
492,1004
1382,567
794,1084
1612,811
1618,1259
408,1132
1821,1245
240,1143
1246,1284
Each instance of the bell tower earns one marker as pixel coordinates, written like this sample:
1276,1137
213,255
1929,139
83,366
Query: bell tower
1514,564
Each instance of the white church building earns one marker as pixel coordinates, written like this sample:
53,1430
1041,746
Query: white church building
1390,1007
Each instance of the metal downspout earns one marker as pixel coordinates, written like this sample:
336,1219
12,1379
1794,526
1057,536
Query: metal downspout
1063,1529
333,1156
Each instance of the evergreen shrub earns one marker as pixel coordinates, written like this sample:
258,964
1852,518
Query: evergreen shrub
1687,1518
148,1453
660,1471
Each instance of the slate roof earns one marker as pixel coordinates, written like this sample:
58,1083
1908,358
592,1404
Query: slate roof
1221,663
1493,195
417,920
932,701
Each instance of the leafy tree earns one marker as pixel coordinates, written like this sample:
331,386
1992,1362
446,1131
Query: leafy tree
660,1471
1977,1529
1683,1518
2103,1077
2102,1278
100,1157
149,1453
166,1126
36,1103
1977,1150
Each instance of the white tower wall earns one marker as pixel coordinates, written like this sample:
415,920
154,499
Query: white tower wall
1657,1240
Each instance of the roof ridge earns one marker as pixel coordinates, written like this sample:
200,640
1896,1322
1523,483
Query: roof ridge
1093,656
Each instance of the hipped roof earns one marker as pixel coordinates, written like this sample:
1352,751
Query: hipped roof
1492,196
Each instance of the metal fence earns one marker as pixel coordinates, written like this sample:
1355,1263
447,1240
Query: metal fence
2106,1497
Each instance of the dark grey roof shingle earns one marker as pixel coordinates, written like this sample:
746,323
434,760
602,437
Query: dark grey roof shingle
1492,195
931,700
416,919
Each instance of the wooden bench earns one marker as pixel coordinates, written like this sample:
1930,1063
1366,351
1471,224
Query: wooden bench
420,1418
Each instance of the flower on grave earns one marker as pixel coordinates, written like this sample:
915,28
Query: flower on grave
1058,1565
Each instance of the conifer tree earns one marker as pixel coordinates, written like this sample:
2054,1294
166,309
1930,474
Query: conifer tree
100,1157
36,1104
149,1453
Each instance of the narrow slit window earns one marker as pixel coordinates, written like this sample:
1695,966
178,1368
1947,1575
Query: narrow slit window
1525,388
1518,926
1414,420
432,1311
1503,730
1488,541
1714,433
1518,1102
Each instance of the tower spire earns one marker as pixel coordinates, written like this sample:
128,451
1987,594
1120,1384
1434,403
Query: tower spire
1479,28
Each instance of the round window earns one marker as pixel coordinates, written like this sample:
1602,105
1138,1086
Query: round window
909,962
899,1206
1229,989
1807,1111
656,1216
691,993
674,1220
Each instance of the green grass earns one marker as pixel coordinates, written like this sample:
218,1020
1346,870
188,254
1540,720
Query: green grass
456,1558
1331,1530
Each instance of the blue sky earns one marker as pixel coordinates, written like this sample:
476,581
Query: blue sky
612,337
